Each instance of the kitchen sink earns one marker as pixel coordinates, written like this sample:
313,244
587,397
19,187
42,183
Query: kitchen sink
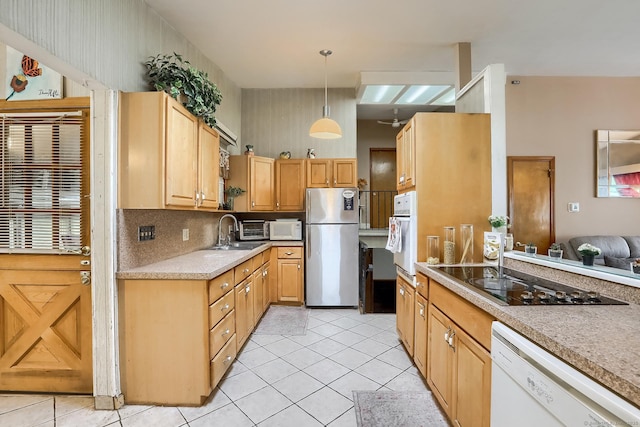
237,246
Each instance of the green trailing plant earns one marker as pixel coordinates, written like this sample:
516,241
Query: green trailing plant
182,81
234,191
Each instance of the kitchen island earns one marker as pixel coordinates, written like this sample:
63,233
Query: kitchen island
600,341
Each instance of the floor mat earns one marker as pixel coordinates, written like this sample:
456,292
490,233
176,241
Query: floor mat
397,408
284,320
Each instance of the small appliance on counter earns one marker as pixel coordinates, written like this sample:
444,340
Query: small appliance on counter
253,229
285,229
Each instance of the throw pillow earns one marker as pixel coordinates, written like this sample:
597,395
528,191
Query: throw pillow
614,262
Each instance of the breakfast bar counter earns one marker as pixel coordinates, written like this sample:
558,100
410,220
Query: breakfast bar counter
602,341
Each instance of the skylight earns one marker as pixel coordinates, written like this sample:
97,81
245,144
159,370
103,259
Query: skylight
409,94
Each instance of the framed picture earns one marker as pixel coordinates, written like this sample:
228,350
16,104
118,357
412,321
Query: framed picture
28,79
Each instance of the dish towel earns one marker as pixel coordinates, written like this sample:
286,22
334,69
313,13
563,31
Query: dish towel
394,242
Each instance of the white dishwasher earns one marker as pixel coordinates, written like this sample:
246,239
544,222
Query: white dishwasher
531,388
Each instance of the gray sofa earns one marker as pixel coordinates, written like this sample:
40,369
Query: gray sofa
617,251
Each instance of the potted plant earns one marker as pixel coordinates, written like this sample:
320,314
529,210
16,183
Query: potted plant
232,193
190,86
588,252
635,266
555,250
499,223
530,248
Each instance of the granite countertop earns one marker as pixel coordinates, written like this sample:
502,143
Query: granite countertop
199,265
601,341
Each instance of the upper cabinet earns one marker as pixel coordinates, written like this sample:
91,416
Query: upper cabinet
405,157
255,175
168,158
326,173
290,185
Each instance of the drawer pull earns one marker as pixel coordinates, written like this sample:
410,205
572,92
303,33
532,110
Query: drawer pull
247,289
264,273
225,285
227,359
224,307
226,332
246,270
288,253
401,291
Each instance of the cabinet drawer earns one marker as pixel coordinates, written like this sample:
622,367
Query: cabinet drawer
222,361
219,335
243,270
220,285
422,285
221,308
290,252
256,262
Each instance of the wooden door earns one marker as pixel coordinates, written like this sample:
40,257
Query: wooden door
531,194
181,155
208,161
45,267
420,339
289,280
319,173
439,359
471,383
382,173
241,315
344,173
290,185
262,186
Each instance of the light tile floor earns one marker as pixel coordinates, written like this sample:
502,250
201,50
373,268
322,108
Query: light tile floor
276,381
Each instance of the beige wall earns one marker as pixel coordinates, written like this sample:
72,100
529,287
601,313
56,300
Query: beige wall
371,134
276,120
557,116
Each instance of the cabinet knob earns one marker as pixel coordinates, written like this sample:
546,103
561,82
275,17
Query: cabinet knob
278,205
226,332
247,289
335,182
288,253
246,270
227,359
298,266
253,203
264,273
401,290
225,307
224,285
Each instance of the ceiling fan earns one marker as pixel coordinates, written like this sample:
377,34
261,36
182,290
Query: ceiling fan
395,123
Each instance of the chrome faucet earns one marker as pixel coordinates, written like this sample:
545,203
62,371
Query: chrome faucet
235,221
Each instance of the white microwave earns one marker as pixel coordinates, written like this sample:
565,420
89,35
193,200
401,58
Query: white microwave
285,229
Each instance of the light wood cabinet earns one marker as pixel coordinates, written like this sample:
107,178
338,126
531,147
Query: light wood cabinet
326,173
420,337
255,175
458,361
168,158
290,275
405,157
290,185
405,313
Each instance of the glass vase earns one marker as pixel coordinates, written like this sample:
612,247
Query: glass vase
466,243
449,245
433,250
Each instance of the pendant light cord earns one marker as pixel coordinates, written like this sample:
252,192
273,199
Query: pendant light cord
326,100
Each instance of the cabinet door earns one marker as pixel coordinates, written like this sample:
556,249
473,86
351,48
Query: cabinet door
319,173
181,155
400,166
420,340
344,173
290,185
290,280
409,154
208,166
471,382
258,295
262,186
439,358
404,306
266,299
249,294
241,315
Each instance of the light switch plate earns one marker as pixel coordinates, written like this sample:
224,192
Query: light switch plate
573,207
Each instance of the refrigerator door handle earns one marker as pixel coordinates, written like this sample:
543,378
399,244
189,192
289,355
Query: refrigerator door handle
308,243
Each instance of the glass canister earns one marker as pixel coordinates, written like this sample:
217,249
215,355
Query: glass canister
508,242
433,249
449,245
466,243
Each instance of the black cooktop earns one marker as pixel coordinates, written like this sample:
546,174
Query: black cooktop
517,288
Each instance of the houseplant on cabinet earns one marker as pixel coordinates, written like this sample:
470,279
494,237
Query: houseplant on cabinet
190,86
588,252
555,250
232,193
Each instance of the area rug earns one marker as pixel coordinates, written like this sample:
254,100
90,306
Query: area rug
397,408
283,320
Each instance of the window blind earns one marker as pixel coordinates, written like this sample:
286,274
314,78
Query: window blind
41,186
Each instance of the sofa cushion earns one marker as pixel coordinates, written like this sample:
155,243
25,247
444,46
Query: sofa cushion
634,245
622,263
613,246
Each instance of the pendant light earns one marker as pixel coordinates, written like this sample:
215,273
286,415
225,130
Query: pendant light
325,128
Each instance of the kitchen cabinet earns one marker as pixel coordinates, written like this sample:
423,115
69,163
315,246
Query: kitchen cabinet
405,157
420,324
255,175
458,361
405,313
290,275
326,173
290,185
450,148
168,158
245,321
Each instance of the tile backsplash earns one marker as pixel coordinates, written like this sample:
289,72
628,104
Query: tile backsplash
168,242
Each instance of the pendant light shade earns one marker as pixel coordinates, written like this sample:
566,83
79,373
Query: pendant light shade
325,128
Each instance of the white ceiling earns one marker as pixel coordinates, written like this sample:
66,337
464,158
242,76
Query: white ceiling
275,43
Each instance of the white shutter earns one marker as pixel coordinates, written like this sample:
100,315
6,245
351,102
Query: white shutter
41,183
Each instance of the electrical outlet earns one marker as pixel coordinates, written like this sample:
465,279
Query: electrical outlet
146,232
185,234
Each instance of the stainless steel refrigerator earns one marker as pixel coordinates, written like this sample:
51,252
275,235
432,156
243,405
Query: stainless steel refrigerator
332,247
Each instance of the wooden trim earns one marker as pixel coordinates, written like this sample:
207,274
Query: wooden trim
45,105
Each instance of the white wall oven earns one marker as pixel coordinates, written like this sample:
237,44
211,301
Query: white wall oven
405,213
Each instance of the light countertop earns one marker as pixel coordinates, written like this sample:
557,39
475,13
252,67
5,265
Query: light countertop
601,341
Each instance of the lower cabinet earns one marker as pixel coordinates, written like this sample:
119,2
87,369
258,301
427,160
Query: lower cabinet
420,337
459,363
405,313
290,275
